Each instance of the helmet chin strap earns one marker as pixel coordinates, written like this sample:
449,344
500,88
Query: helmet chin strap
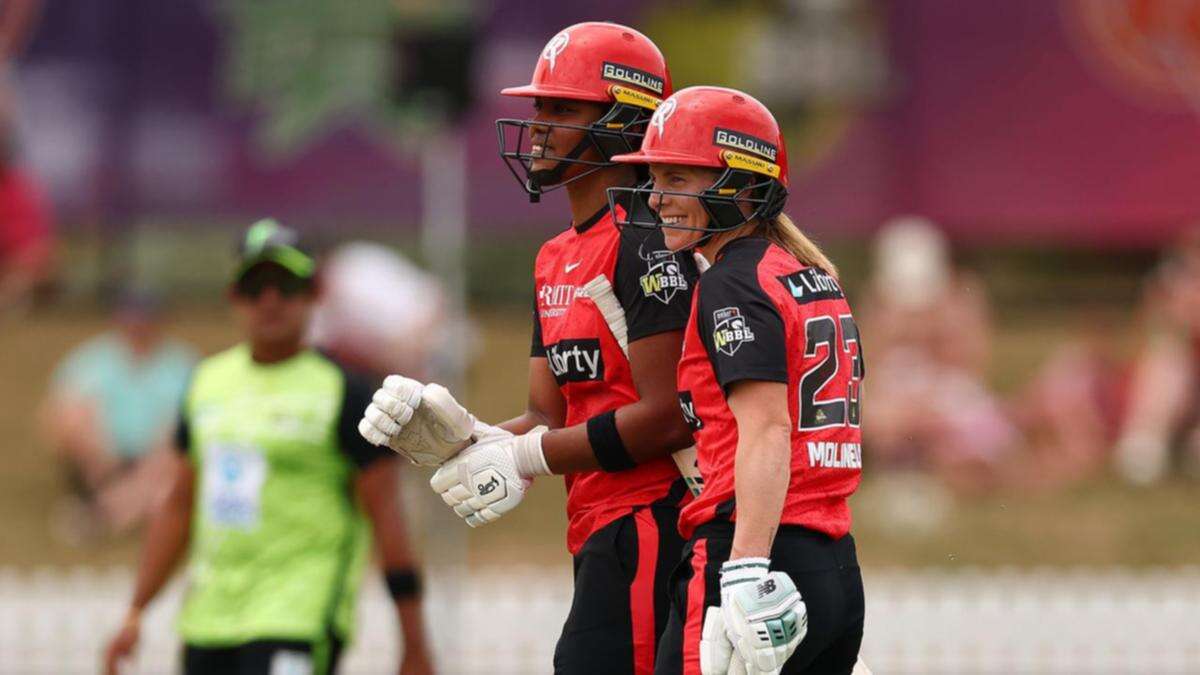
533,185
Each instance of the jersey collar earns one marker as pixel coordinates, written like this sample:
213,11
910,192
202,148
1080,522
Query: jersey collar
595,218
740,242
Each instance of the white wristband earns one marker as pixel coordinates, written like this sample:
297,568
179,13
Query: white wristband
528,455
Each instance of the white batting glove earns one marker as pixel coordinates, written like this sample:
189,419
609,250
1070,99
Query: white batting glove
490,478
765,618
716,651
421,422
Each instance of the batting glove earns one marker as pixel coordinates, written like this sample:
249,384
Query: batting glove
490,478
716,651
765,618
421,422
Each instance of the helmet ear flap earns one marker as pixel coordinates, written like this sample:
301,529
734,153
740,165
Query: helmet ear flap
774,197
616,132
720,199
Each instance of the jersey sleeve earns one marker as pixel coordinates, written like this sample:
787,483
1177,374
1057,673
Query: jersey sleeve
742,330
537,349
183,434
356,398
653,285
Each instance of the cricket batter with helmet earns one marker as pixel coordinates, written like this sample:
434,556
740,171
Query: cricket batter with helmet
770,381
608,323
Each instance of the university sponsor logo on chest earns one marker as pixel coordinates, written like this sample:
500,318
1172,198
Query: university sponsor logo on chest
664,277
730,330
555,299
576,360
689,411
811,285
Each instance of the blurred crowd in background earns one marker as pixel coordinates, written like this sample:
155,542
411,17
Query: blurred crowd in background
177,138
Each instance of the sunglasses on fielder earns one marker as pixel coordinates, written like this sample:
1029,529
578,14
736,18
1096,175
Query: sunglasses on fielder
257,280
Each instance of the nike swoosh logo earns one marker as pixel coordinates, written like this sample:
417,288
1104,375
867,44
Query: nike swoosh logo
571,266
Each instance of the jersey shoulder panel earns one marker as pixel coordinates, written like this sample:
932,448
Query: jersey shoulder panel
653,284
738,321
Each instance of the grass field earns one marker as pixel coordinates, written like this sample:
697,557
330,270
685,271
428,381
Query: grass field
1100,523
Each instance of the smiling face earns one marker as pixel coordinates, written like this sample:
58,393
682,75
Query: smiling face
549,142
677,211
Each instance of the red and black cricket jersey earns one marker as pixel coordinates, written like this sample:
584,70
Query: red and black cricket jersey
759,314
654,288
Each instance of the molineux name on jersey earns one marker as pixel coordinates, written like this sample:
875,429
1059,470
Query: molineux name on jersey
811,285
831,455
554,299
575,360
689,411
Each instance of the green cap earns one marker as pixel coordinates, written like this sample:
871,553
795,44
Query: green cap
268,241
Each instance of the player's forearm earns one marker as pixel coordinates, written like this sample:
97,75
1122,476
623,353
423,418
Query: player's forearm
166,540
524,423
412,625
762,470
647,429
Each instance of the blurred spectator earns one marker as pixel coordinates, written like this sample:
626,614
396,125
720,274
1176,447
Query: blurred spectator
931,407
378,312
26,244
928,344
111,408
1163,417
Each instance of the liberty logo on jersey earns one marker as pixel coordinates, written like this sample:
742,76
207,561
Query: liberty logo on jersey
575,360
811,285
664,277
730,330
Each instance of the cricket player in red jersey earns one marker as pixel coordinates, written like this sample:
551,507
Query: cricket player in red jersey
769,380
607,393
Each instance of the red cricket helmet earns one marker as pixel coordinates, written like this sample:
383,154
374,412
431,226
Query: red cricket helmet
599,62
724,129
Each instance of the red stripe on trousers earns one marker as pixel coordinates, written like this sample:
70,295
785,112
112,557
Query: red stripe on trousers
641,593
693,626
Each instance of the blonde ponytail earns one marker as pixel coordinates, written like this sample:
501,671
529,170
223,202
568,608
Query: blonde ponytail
782,232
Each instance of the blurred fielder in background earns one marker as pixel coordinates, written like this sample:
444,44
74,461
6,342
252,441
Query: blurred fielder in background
270,489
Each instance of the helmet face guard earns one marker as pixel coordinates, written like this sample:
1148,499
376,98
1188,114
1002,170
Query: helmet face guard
618,131
722,201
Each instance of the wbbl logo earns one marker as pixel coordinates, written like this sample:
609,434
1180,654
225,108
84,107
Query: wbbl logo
664,277
730,330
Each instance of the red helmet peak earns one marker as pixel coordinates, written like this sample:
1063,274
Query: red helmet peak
587,60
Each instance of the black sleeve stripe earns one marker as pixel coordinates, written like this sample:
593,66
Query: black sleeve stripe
537,349
183,434
357,391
